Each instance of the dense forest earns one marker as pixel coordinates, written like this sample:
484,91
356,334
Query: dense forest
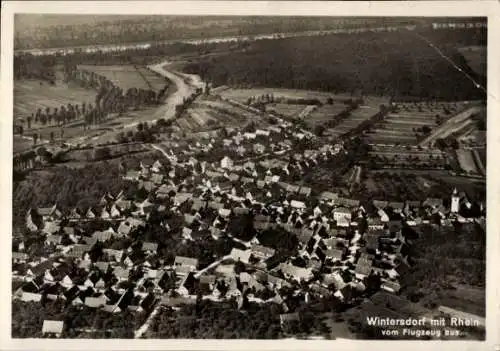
390,64
445,257
49,31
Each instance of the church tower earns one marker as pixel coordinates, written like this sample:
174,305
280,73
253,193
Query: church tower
455,201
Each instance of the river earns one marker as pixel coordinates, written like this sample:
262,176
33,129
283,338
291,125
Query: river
199,41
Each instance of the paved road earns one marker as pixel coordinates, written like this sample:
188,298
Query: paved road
144,328
156,147
186,85
210,266
452,125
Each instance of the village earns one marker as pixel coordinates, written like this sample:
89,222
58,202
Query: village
278,234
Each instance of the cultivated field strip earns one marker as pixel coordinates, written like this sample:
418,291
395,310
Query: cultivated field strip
466,160
31,95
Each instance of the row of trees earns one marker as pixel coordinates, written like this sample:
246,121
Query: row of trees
110,98
32,67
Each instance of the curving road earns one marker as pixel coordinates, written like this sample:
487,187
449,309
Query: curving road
185,84
452,125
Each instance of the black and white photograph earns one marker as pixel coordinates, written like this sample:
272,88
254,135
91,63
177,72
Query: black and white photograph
248,177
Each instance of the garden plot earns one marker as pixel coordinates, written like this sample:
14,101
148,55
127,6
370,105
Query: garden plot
287,110
324,114
466,161
352,121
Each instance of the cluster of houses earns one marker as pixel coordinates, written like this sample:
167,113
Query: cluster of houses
342,242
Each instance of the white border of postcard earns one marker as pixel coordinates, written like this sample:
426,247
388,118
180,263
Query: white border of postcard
313,8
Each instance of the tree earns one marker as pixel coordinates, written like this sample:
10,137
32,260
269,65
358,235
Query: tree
239,267
102,153
426,129
319,130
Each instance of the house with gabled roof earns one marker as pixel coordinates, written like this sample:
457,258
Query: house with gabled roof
149,247
240,255
351,203
226,163
75,214
115,255
28,297
328,196
102,236
19,257
342,213
384,217
397,207
305,191
123,204
96,302
293,272
297,204
121,273
49,213
51,228
102,266
51,327
79,250
334,254
390,286
262,252
362,270
132,175
188,262
380,204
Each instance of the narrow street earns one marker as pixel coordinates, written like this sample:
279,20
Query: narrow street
144,328
210,266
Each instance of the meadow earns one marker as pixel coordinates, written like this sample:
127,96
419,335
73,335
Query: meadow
128,76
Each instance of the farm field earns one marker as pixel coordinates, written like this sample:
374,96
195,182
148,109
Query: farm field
206,114
128,76
411,122
466,160
242,95
453,125
465,298
324,114
288,110
480,158
355,118
29,95
398,185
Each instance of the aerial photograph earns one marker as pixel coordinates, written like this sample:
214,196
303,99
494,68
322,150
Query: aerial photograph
249,177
